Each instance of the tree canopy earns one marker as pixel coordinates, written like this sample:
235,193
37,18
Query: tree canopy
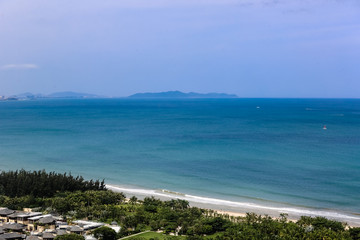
105,233
71,236
80,199
43,184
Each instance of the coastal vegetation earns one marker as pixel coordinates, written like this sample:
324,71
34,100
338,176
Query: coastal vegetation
71,236
105,233
76,198
42,184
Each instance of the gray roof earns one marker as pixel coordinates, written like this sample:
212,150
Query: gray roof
60,232
38,217
14,226
76,229
30,214
32,238
25,214
14,215
12,236
2,230
47,220
6,211
48,235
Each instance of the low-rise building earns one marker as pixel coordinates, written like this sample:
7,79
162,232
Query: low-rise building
14,227
76,229
12,236
4,214
46,223
22,217
48,236
31,237
41,223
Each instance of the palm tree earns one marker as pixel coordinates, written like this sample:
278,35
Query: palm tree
133,200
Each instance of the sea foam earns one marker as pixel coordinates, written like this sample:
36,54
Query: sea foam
221,203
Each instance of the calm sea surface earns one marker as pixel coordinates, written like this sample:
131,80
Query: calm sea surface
243,150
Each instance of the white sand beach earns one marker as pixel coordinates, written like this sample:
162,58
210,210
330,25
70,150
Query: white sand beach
238,209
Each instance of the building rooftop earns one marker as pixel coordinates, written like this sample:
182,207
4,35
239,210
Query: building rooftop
32,238
87,225
12,236
60,232
39,217
24,214
48,235
6,211
76,229
14,226
47,220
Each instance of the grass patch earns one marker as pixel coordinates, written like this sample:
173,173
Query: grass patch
155,235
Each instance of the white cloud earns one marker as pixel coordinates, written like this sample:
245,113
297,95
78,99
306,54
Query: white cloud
19,66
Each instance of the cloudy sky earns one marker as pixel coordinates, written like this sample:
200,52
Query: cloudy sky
253,48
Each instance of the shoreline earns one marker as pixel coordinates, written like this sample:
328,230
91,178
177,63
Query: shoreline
238,209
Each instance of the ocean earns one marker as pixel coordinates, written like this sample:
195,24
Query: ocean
235,154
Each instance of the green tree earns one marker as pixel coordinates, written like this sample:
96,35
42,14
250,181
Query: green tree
355,233
104,233
71,236
133,200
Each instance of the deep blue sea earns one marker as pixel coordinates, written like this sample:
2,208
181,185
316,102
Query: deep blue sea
270,152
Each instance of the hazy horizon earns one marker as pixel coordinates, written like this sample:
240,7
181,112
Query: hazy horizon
126,96
254,49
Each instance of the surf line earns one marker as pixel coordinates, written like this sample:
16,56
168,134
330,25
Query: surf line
221,202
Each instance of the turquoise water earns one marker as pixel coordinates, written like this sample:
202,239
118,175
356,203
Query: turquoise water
244,150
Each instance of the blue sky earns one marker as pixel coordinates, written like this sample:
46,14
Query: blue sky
252,48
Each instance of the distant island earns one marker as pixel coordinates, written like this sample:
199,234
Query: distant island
72,95
62,95
76,95
178,94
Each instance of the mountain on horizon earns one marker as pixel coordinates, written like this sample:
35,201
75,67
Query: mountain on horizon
168,94
66,94
69,94
178,94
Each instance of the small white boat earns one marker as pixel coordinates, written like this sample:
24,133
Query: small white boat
324,127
